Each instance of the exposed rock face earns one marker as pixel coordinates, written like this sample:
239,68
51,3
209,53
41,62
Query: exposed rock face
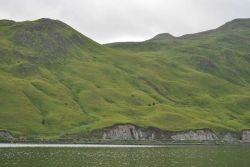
133,132
245,136
201,134
231,137
127,132
5,134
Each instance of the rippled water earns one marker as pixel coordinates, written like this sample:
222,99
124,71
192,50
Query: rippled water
170,156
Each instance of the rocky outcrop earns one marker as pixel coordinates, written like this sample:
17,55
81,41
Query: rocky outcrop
133,132
127,132
245,136
230,137
200,134
5,134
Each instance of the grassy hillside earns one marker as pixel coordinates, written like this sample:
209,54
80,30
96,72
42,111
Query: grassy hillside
54,80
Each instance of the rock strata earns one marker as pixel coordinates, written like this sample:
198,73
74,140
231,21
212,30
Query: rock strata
245,136
230,137
127,132
133,132
200,134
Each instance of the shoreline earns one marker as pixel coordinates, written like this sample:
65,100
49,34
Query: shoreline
130,134
40,145
111,143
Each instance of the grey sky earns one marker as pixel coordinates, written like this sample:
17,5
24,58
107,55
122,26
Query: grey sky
129,20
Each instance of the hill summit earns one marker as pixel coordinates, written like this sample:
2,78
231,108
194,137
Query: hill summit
162,37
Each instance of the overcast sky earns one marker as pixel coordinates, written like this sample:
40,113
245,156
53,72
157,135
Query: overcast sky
129,20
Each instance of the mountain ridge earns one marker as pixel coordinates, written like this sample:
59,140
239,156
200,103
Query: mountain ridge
230,25
56,81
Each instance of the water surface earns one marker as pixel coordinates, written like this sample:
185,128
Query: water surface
144,156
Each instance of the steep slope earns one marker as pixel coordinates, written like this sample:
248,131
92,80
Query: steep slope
33,98
209,70
55,81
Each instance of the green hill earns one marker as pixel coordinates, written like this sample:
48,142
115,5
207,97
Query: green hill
54,80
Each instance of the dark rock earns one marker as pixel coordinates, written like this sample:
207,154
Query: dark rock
26,68
5,134
77,39
206,63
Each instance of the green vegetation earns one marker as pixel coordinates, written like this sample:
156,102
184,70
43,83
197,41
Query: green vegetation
55,81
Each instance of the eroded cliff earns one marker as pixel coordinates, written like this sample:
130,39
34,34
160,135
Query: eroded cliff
134,132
